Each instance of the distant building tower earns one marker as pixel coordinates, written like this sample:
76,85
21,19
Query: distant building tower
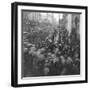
69,23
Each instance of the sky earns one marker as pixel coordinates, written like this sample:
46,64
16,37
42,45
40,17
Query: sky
56,15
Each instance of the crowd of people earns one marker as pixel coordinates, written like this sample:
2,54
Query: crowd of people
58,54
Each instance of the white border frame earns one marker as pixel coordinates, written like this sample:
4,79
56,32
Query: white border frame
33,80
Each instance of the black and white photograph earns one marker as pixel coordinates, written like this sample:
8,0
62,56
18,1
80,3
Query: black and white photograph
50,44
